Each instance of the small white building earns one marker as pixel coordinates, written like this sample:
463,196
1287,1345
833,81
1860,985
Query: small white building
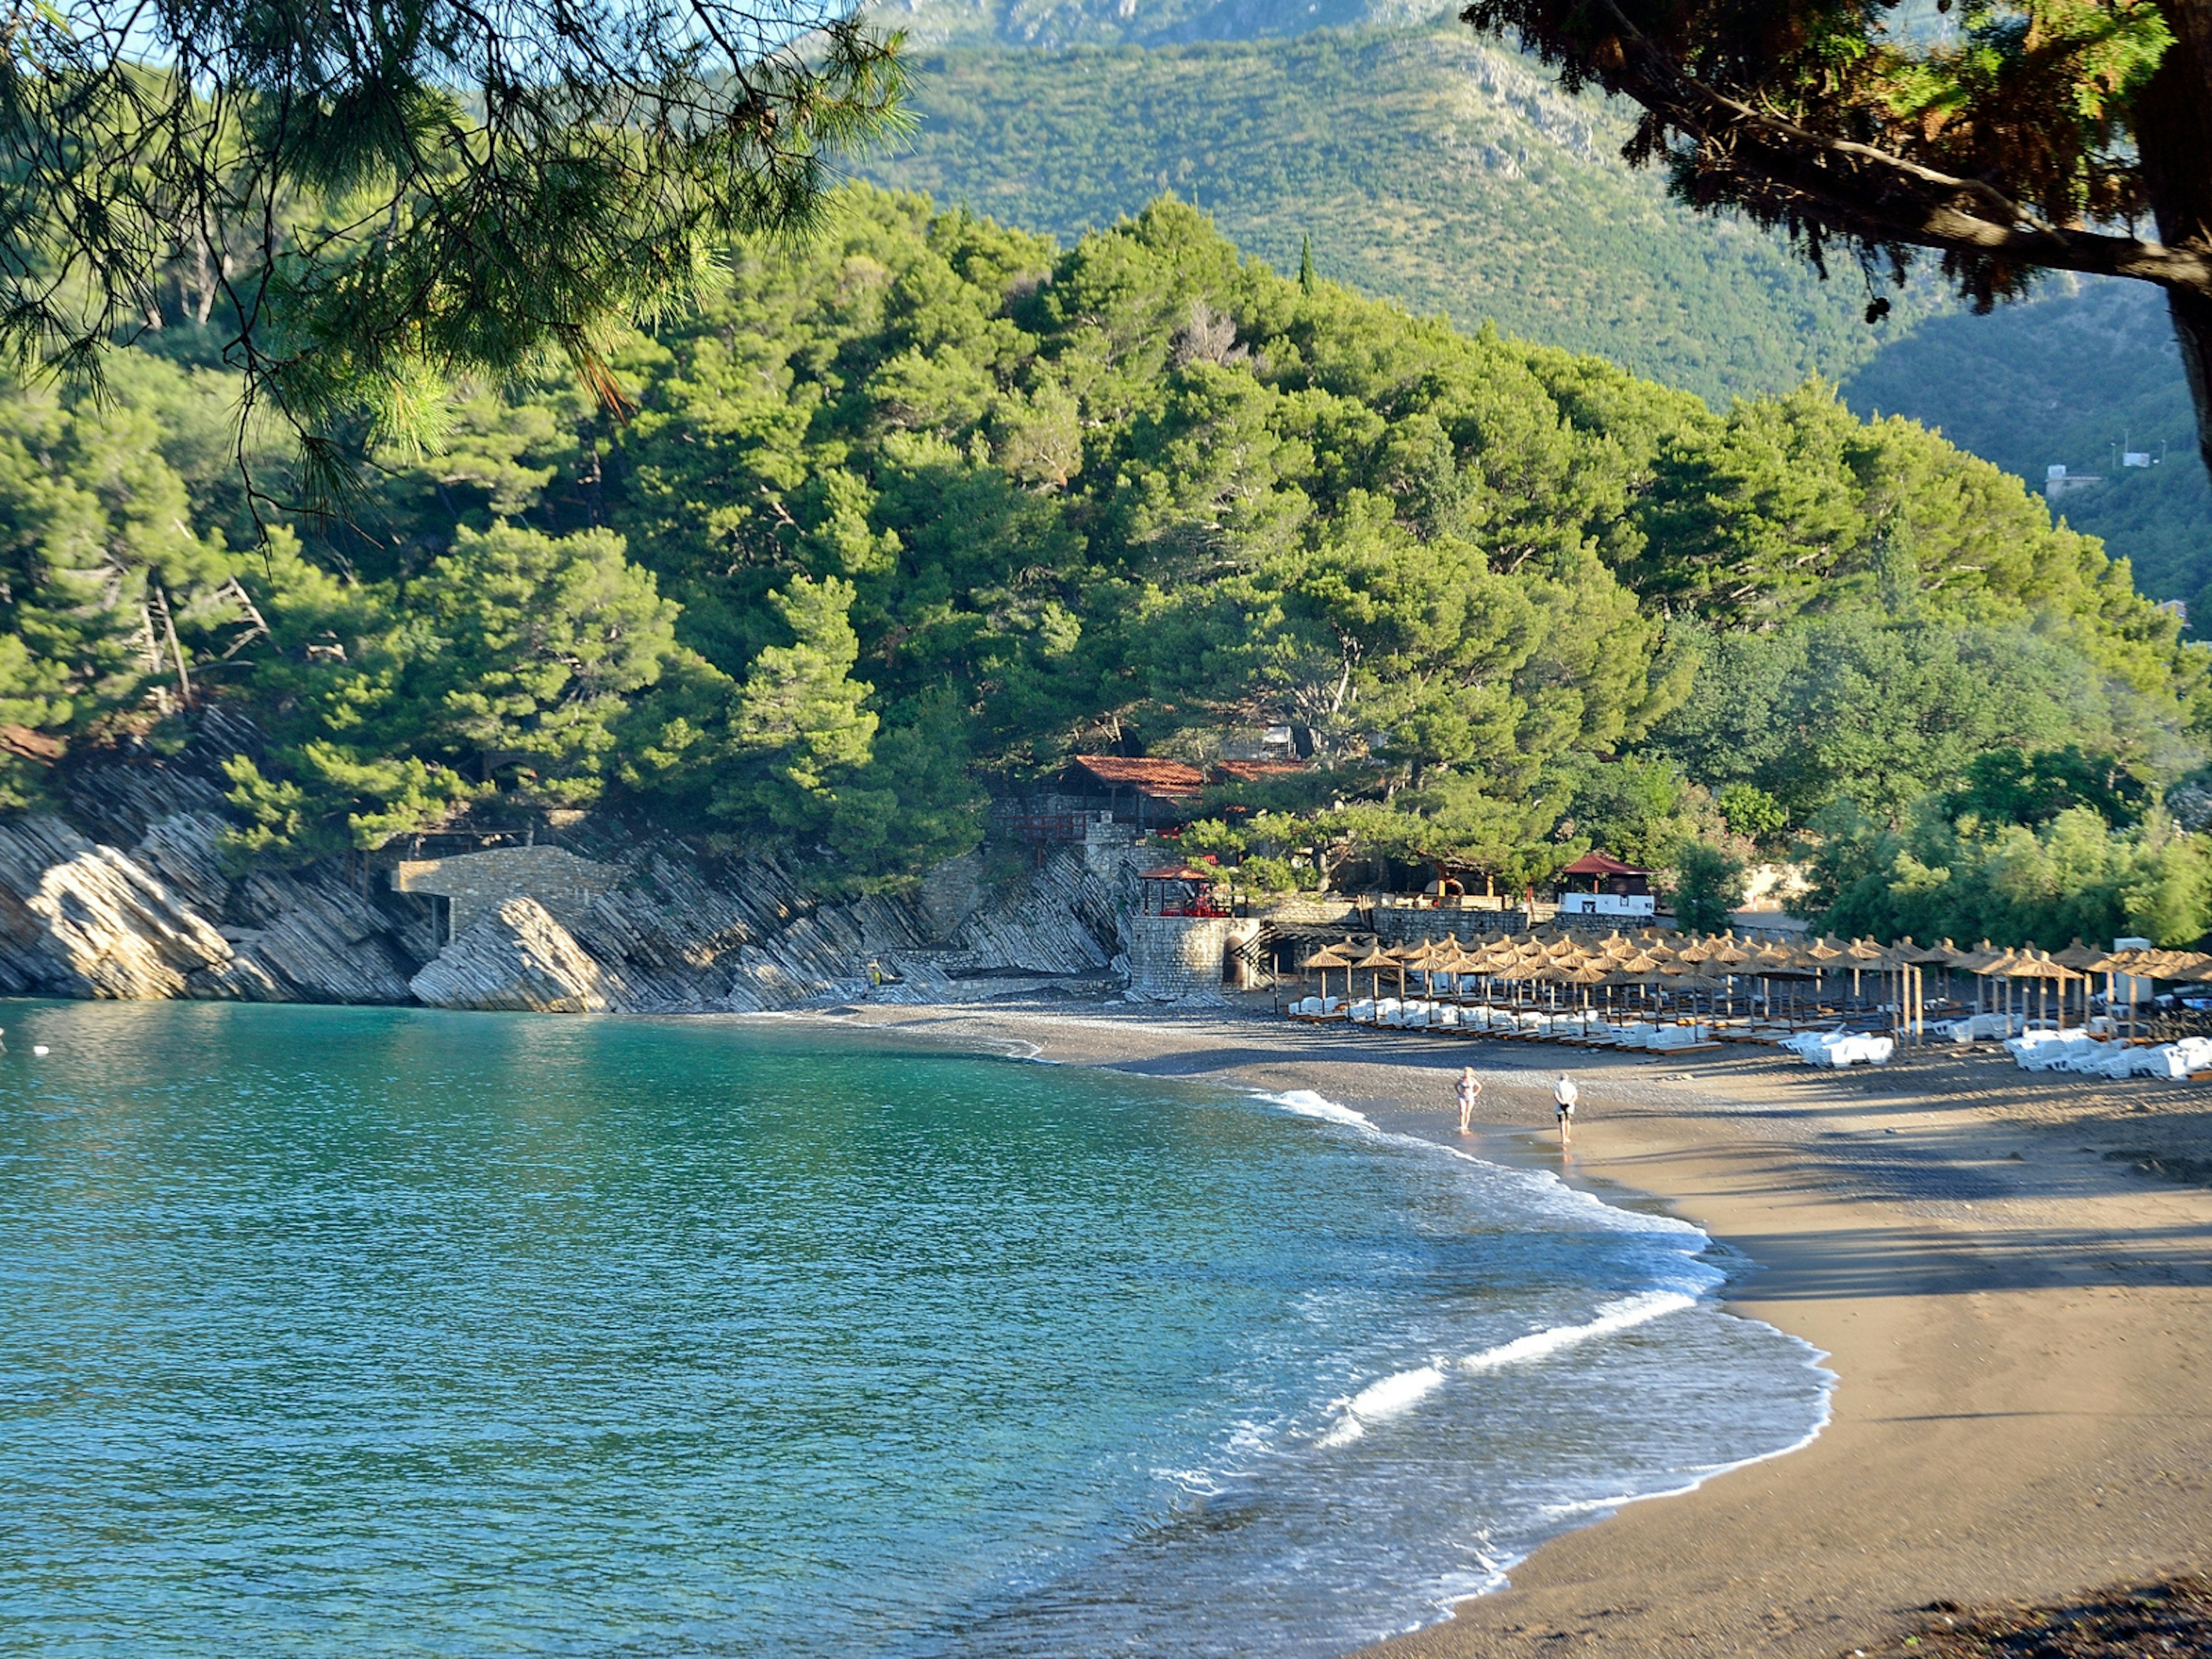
1596,884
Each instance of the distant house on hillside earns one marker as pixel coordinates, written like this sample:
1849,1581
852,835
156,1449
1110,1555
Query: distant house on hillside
1598,884
2058,481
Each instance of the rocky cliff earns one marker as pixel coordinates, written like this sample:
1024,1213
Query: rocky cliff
123,891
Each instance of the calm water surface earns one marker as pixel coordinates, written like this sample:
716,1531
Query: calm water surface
345,1332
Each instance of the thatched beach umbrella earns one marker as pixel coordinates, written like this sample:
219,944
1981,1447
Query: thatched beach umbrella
1421,959
1376,961
1697,948
2028,966
1730,951
2087,960
1694,977
1640,970
1978,960
1583,977
1400,955
1326,957
1452,960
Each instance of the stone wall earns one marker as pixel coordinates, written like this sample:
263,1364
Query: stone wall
475,884
1397,927
1176,958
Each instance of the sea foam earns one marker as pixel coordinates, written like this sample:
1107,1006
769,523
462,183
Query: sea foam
1621,1316
1306,1103
1387,1398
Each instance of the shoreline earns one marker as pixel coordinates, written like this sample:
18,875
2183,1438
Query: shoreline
2016,1308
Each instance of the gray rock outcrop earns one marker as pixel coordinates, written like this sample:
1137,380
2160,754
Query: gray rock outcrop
83,919
126,891
520,960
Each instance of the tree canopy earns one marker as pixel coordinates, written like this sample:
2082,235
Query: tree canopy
369,202
2021,135
916,511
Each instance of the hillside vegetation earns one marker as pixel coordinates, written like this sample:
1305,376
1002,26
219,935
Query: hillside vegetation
1424,165
1449,174
932,503
2070,379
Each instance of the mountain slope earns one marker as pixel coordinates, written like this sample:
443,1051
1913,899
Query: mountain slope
1055,23
1425,165
1450,174
2070,380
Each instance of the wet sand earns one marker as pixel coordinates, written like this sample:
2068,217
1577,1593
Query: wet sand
2012,1274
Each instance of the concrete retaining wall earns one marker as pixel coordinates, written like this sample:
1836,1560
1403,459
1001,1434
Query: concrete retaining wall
1396,926
476,884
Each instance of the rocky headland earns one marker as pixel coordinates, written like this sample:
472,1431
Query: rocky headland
121,889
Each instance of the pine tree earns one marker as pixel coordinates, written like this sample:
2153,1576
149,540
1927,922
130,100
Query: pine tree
798,728
2035,136
369,200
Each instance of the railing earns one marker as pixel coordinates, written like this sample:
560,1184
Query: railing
1042,826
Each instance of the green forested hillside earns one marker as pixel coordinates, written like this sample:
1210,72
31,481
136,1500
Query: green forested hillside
1423,164
932,503
1449,174
2073,378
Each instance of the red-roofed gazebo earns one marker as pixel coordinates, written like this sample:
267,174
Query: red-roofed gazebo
1181,890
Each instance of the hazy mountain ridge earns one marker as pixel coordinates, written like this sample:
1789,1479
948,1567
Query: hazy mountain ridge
2072,379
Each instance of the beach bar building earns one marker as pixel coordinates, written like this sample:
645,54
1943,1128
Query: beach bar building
1599,885
1181,942
1179,890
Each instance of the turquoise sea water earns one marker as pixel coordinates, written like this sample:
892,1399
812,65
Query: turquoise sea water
355,1332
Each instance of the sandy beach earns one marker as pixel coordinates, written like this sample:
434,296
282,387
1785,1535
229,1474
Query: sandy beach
2012,1274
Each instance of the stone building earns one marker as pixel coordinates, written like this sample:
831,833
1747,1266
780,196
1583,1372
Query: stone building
473,884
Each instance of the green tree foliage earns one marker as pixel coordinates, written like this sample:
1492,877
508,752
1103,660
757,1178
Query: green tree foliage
366,201
1708,886
798,725
928,502
1885,710
1997,141
2009,786
505,669
106,591
2072,877
1750,812
1641,809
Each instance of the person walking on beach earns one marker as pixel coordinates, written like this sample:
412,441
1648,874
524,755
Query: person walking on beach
1564,1096
1468,1089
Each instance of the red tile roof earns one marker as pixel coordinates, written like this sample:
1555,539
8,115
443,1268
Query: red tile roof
1149,777
31,746
1179,872
1600,864
1253,771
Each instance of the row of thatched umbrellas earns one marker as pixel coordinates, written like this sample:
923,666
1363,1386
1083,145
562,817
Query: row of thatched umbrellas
1717,965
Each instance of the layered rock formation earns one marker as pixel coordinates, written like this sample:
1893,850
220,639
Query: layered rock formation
125,893
519,959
